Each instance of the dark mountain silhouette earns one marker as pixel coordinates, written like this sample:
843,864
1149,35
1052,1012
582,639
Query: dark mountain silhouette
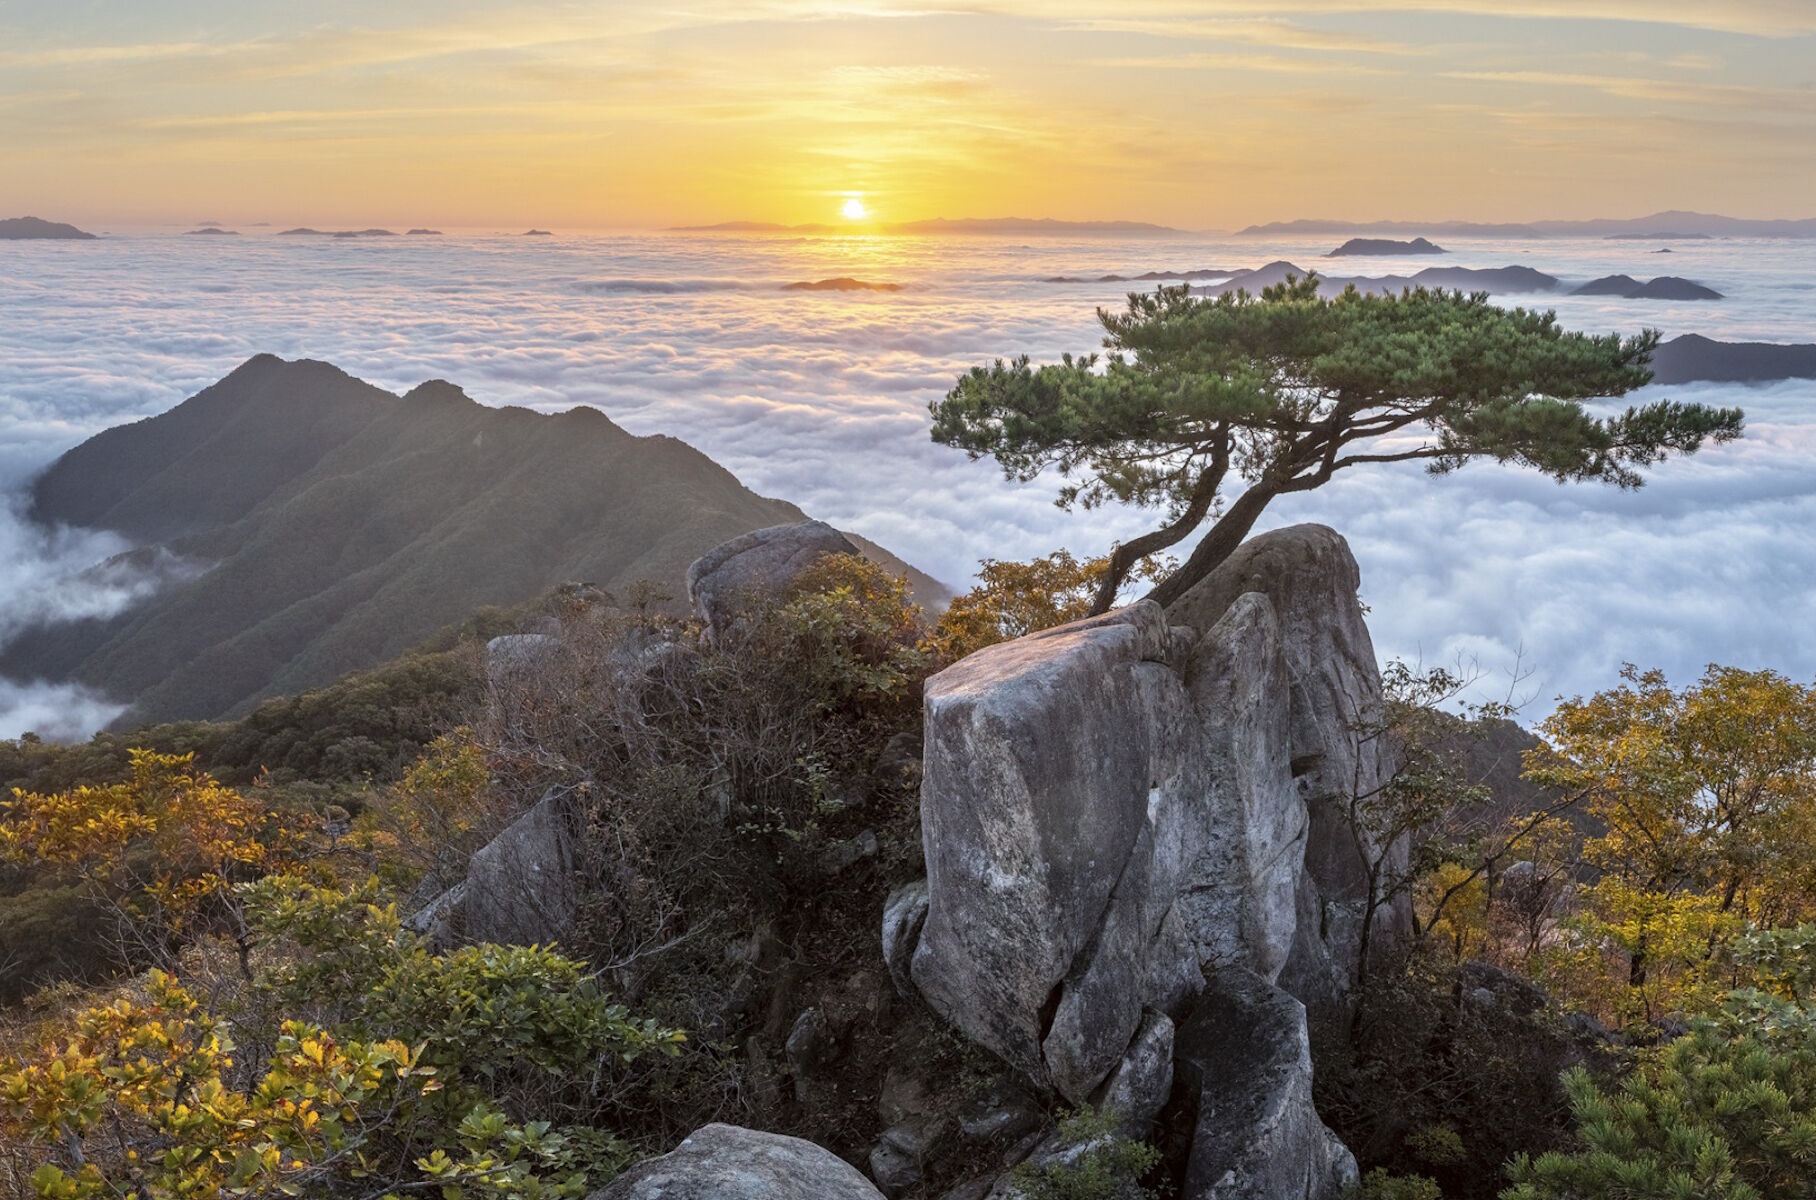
537,233
1679,224
1384,246
424,233
18,228
844,283
1693,358
1608,285
1670,287
1145,276
1665,287
305,231
1468,279
341,524
211,231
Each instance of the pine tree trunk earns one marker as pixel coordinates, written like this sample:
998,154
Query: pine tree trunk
1218,544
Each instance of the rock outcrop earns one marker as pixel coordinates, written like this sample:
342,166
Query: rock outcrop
513,656
727,1162
519,888
1141,821
760,564
1311,579
1246,1057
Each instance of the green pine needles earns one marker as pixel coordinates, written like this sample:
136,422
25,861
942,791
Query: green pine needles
1280,392
1726,1112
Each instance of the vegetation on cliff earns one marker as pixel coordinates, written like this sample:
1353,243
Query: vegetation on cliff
256,954
1283,390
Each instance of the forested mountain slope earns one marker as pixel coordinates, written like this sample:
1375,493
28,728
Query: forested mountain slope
332,525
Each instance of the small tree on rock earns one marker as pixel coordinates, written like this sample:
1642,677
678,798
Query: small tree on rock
1284,390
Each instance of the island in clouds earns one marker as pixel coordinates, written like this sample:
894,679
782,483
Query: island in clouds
1360,247
1662,226
22,228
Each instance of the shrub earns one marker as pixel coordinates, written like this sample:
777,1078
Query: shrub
1101,1164
1014,599
1725,1113
1438,1080
1384,1185
383,1067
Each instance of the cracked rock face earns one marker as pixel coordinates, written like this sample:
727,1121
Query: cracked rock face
1245,1055
1041,765
1311,579
1116,810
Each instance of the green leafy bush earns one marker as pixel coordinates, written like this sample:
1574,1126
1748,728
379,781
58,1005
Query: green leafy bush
1102,1164
1384,1185
354,1063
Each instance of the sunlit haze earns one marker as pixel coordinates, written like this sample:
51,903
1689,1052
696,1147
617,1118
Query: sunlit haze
1203,114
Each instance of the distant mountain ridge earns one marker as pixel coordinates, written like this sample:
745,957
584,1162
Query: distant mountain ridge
340,525
1364,247
1693,358
972,226
1512,279
1661,226
32,228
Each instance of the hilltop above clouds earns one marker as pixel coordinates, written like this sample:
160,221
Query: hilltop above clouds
333,525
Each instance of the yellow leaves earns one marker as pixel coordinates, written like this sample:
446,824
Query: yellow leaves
1697,789
161,844
1463,921
1700,807
151,1072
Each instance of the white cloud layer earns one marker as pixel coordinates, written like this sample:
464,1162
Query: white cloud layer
821,398
51,575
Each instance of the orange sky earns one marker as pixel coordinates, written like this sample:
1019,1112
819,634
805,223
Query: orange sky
1208,114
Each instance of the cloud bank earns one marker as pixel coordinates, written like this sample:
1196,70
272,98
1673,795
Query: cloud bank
53,575
822,399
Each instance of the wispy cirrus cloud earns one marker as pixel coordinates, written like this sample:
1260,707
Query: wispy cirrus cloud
611,114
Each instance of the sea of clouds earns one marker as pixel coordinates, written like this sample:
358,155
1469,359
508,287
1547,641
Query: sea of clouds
821,398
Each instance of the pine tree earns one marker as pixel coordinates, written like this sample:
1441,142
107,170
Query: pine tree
1284,390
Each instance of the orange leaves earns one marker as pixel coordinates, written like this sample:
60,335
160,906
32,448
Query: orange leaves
1013,599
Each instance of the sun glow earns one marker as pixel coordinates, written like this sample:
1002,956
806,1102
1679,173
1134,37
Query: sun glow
854,209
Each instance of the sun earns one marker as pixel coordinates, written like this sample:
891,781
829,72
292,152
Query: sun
854,209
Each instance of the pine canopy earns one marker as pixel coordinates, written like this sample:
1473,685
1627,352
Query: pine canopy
1279,392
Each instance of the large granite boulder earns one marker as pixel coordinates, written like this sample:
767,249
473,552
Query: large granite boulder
755,566
1040,756
1245,1055
519,888
1107,811
728,1162
1117,809
515,656
1310,577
